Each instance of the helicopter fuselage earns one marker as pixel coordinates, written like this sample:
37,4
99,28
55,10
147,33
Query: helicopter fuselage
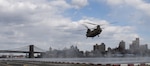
93,33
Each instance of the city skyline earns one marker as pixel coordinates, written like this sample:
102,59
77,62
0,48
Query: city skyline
100,50
134,44
59,23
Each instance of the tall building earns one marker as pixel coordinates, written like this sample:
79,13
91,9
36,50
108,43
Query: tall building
136,42
95,47
121,46
100,48
144,47
135,45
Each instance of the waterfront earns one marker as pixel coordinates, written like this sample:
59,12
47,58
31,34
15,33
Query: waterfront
127,60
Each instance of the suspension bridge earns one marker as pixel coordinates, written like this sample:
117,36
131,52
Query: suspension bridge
30,50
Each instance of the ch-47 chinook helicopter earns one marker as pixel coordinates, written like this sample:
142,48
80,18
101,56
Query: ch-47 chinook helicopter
93,32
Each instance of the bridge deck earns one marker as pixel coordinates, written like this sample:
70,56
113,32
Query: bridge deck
15,51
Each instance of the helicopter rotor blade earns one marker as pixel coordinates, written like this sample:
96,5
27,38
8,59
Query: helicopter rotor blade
91,23
95,28
100,24
85,26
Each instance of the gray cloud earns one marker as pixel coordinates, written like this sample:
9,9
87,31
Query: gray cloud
41,23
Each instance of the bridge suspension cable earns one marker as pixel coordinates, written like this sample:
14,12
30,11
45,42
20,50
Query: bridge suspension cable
24,48
39,49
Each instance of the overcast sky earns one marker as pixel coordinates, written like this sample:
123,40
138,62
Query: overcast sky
58,23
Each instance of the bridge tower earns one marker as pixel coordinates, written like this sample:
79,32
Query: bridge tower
31,51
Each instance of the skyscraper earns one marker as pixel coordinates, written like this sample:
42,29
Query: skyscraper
135,45
100,48
122,46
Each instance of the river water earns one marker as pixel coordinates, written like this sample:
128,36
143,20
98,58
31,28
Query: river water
90,60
